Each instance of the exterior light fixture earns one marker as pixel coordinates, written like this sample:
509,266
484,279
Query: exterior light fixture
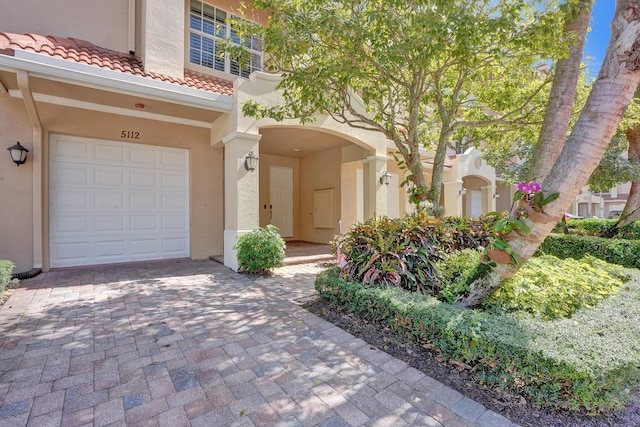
496,195
18,153
462,191
251,161
385,178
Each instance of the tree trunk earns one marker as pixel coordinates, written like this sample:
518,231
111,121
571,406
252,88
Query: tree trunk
561,97
631,211
613,89
438,166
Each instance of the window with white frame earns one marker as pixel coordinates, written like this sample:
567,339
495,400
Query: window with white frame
209,26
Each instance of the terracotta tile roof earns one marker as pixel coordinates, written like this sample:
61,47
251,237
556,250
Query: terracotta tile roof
84,52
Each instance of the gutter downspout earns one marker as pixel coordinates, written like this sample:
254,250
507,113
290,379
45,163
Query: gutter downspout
30,105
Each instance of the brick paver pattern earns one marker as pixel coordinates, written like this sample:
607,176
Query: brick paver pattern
192,343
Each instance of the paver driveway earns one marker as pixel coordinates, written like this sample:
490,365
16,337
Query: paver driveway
192,343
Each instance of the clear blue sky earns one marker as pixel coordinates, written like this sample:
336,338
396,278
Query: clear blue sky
598,37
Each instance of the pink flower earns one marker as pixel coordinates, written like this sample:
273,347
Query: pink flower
529,187
524,187
535,187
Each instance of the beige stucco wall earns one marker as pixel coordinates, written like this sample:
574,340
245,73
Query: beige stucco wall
205,169
104,23
319,172
16,184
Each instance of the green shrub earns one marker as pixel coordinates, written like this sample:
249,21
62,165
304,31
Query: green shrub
6,268
555,288
455,274
588,363
614,251
260,250
468,232
600,228
396,252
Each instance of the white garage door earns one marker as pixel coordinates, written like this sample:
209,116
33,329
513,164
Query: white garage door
116,202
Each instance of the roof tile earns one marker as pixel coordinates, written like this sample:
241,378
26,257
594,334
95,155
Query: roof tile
82,51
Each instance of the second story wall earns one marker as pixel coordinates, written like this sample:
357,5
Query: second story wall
103,23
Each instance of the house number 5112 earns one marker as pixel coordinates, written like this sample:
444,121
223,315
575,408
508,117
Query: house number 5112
129,134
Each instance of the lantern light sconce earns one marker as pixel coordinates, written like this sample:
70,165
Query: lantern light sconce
18,153
462,191
385,178
251,161
496,195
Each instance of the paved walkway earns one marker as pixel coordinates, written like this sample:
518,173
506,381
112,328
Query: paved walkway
192,343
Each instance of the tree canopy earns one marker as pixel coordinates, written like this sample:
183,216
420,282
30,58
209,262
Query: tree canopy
427,71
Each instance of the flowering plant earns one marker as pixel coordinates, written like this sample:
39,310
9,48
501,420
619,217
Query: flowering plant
531,192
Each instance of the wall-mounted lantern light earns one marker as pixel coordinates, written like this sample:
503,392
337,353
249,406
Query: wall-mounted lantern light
18,153
385,178
462,191
496,195
251,161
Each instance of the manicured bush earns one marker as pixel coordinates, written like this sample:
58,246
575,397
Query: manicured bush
396,252
260,250
555,288
600,228
455,273
587,363
6,267
614,251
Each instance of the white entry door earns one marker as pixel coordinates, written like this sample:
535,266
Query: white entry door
281,204
476,203
112,201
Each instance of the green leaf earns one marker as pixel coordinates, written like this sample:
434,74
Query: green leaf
549,199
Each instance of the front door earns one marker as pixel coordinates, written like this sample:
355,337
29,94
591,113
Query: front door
281,190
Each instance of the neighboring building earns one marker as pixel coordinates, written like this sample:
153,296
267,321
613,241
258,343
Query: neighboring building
137,142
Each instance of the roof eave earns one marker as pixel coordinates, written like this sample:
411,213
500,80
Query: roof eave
65,71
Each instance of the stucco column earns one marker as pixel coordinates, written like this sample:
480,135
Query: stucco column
241,191
375,193
162,35
452,198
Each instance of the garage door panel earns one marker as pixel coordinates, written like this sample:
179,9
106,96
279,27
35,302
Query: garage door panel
69,224
71,200
174,158
174,181
142,156
109,200
70,253
105,152
109,223
69,149
111,248
116,202
143,179
104,177
144,249
71,176
176,245
143,223
143,201
174,222
173,201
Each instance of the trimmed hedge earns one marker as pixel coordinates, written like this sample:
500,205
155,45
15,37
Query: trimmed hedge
589,362
6,267
615,251
599,227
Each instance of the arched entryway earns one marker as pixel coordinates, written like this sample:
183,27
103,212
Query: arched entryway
477,196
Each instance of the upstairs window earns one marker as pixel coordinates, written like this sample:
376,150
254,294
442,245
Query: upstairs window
208,27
